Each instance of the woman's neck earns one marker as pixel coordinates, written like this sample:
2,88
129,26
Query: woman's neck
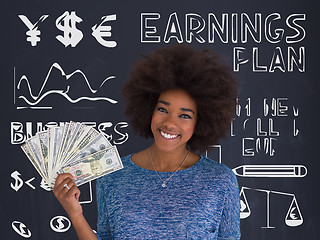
168,161
164,161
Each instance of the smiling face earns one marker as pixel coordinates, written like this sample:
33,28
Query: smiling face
173,120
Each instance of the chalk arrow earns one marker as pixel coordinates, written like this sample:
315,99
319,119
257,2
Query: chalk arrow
29,184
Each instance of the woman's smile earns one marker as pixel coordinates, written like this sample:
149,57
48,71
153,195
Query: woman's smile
168,135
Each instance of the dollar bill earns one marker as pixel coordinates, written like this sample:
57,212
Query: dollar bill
81,138
81,149
94,165
44,146
74,135
63,140
69,134
97,144
34,145
26,149
55,136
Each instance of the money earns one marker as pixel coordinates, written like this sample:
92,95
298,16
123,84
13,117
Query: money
94,165
72,148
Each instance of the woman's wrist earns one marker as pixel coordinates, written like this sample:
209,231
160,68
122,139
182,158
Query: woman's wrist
83,229
76,218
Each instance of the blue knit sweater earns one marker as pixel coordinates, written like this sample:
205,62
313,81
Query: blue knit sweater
200,202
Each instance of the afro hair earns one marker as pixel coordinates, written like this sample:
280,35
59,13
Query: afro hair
200,73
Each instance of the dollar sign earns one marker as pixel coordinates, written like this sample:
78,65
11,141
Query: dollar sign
67,23
61,225
18,181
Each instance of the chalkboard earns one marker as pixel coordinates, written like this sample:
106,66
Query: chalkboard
52,51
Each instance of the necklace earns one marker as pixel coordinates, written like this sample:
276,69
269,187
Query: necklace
166,180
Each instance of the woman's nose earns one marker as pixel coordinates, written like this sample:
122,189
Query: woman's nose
170,122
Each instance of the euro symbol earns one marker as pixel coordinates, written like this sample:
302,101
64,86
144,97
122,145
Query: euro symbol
21,229
18,181
104,31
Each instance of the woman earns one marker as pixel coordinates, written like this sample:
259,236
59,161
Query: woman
185,100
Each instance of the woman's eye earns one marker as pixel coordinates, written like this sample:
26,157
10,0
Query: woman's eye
186,116
161,109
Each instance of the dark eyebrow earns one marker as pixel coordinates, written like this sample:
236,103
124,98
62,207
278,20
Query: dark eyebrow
183,109
187,110
164,102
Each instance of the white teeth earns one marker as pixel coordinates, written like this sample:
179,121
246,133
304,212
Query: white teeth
168,136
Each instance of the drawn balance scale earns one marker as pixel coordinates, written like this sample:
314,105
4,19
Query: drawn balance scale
293,218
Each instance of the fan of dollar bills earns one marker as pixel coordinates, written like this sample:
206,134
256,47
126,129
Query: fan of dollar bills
73,148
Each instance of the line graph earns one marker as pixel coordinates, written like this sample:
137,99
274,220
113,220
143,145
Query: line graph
33,100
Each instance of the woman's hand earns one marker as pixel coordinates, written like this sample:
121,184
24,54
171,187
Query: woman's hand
67,193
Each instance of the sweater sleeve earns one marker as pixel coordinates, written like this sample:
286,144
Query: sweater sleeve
229,228
103,226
